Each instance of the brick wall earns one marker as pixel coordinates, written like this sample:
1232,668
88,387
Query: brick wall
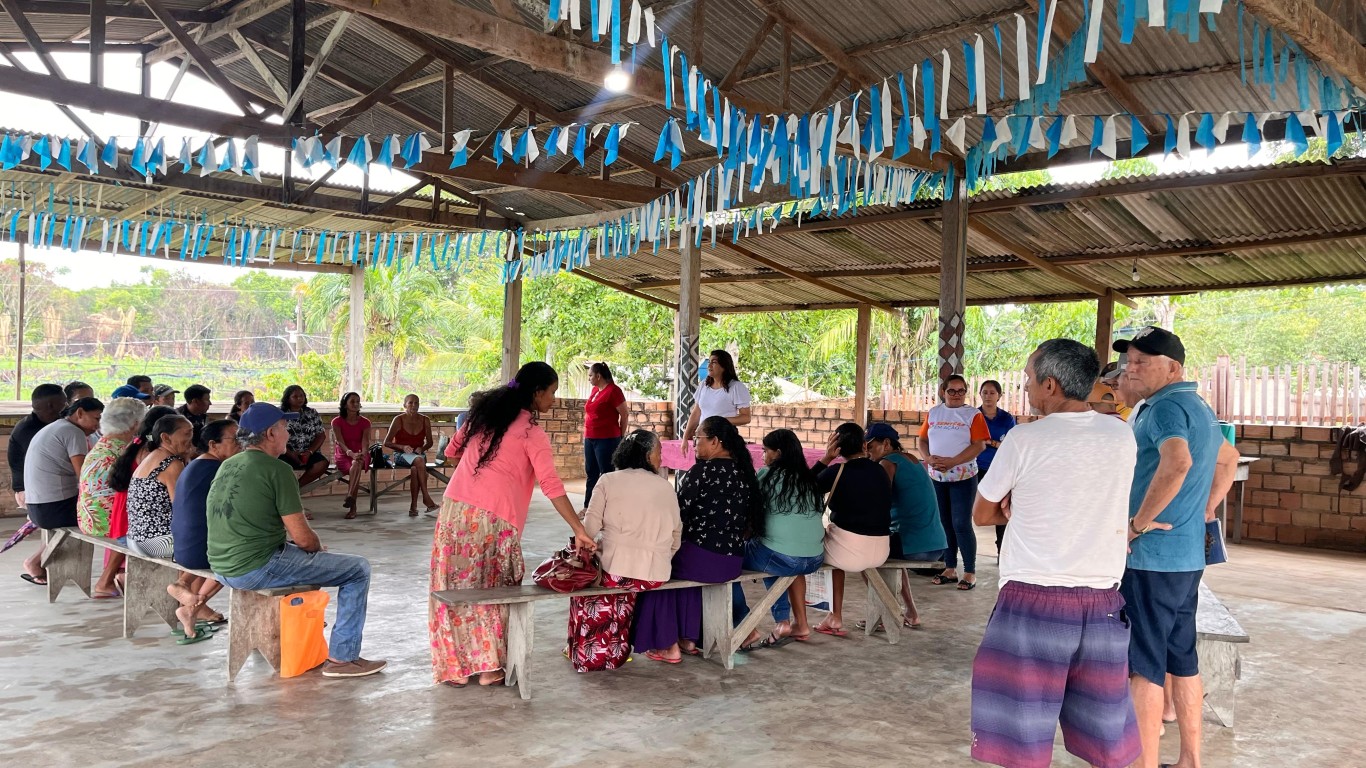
1291,498
564,423
812,424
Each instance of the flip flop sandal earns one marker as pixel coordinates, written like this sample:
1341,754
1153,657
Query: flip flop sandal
215,621
496,681
106,595
200,626
693,651
941,580
199,636
652,656
30,578
832,631
965,586
779,641
454,684
907,624
862,625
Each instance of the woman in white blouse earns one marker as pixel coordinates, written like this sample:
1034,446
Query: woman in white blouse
722,394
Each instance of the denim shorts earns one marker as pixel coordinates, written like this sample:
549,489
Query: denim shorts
1161,605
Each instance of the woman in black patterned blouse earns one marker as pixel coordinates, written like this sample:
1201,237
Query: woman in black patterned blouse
721,507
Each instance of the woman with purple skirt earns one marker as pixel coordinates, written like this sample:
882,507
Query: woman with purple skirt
720,504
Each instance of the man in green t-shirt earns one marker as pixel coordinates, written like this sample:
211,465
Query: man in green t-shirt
253,503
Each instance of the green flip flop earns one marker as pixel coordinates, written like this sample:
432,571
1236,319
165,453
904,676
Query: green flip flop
201,634
200,626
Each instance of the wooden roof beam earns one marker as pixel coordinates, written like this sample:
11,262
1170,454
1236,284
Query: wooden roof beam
380,92
239,17
803,277
1028,256
114,11
629,292
197,54
1317,33
747,55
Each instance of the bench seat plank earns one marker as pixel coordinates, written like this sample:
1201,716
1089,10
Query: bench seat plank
1213,621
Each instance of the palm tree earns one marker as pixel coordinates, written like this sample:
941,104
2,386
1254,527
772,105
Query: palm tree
896,342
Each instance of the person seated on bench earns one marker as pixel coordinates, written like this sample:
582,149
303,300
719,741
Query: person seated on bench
636,511
916,531
859,536
1056,648
253,502
189,526
411,433
151,487
95,504
52,470
350,432
306,436
242,400
721,506
792,543
478,539
48,401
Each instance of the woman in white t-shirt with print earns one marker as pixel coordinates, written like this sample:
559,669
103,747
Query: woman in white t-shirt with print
722,394
950,439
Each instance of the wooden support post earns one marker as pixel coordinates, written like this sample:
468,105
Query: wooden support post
512,328
699,30
689,328
1105,326
953,267
355,327
298,45
865,322
785,83
447,108
97,17
19,332
146,71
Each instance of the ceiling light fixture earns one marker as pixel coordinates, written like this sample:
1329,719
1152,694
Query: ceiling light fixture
1134,274
617,81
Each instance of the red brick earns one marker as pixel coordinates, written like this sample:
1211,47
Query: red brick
1264,498
1316,434
1284,433
1290,501
1289,535
1316,468
1306,519
1253,481
1304,450
1287,467
1320,502
1250,448
1358,523
1326,451
1274,449
1276,516
1252,514
1257,431
1261,532
1350,505
1305,484
1335,522
1272,482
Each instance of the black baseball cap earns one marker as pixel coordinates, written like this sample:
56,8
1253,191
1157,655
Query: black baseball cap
1154,341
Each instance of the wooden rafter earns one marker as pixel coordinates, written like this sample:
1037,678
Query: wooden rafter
381,91
202,59
239,17
630,292
803,277
747,55
296,97
394,200
1023,253
114,11
699,31
412,85
1317,33
818,40
257,63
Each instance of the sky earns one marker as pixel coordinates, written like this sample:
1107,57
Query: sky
122,72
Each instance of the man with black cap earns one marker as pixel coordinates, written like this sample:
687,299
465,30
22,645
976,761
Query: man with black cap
164,394
253,503
1184,468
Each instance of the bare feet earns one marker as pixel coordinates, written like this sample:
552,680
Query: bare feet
186,615
752,641
495,677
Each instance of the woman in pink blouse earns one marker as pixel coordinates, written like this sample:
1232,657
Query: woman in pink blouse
478,541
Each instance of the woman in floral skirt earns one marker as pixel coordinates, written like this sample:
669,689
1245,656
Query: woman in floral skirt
637,512
478,541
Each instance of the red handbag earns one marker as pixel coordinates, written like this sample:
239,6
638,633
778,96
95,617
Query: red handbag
569,570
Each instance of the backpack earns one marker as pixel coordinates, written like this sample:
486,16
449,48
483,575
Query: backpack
377,457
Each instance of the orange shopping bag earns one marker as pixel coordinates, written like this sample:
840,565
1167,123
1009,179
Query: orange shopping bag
302,646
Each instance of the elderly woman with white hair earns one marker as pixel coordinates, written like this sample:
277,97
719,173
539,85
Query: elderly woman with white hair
97,501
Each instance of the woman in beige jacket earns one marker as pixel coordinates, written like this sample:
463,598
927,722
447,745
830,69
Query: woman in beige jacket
636,511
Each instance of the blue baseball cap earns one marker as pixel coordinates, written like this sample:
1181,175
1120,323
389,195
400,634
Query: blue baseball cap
128,390
881,431
258,417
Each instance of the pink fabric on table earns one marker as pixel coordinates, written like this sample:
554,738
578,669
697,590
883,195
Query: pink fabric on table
503,486
673,457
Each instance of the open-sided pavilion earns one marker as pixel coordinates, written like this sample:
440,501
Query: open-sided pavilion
350,67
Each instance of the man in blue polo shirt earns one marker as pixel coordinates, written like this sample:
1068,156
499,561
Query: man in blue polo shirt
1184,469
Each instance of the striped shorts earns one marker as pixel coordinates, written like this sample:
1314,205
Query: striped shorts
1050,656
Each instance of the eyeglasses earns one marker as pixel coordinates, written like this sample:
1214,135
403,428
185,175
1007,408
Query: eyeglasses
955,391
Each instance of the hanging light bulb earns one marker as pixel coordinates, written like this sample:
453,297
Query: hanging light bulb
1134,274
617,81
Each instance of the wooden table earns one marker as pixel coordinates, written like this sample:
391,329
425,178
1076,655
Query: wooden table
1235,532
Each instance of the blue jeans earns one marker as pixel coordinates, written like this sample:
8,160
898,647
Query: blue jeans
291,565
597,461
955,514
761,558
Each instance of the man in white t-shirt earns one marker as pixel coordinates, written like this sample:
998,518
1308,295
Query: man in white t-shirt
1056,647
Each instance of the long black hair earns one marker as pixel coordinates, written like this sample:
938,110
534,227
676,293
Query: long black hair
720,428
341,404
727,369
289,392
213,433
789,476
602,370
127,463
492,411
633,452
237,403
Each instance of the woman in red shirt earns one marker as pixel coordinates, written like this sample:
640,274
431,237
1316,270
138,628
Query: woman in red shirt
350,432
604,422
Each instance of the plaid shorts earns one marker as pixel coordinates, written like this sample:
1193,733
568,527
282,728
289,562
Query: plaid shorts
1050,656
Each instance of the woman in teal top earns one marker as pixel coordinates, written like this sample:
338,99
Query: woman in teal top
793,540
916,531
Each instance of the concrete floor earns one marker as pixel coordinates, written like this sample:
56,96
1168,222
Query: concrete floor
73,693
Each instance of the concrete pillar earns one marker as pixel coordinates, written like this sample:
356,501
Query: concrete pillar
865,323
688,338
355,332
953,271
512,329
1105,325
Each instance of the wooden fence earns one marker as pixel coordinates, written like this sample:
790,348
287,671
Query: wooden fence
1316,394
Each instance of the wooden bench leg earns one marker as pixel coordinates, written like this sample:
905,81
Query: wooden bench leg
144,591
520,631
716,623
255,627
374,490
66,558
1219,671
757,611
883,604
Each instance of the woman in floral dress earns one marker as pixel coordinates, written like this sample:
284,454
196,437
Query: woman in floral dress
96,500
478,542
721,506
637,512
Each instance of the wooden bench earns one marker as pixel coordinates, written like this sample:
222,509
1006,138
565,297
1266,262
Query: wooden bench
433,468
1217,639
719,634
68,554
332,475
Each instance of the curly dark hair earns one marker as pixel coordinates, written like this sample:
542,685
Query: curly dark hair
289,392
492,411
789,476
720,428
